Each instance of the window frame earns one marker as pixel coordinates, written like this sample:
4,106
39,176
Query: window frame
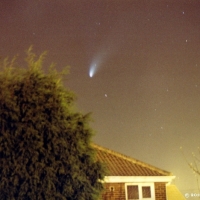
140,185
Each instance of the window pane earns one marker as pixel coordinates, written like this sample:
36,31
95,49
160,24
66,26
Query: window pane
146,192
133,192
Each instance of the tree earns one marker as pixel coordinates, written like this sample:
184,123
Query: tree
194,165
45,144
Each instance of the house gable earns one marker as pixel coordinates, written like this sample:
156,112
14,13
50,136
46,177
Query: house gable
127,177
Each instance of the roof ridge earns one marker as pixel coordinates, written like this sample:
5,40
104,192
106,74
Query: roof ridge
133,160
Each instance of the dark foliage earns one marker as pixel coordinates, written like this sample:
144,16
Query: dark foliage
45,144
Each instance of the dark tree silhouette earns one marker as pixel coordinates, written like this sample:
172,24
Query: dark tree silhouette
45,144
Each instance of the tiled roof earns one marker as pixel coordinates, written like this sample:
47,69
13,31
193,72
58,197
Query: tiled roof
173,193
121,165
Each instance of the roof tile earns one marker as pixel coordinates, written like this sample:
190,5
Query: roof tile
121,165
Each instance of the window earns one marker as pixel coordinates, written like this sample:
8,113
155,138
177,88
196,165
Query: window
140,191
133,192
146,192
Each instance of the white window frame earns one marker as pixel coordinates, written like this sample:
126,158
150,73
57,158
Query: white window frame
140,185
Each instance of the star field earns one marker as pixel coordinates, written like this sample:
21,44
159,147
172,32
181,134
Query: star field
134,64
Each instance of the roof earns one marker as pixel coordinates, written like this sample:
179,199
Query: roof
173,193
121,165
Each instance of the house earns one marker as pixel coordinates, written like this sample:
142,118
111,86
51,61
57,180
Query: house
131,179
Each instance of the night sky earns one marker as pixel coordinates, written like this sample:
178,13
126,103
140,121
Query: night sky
135,64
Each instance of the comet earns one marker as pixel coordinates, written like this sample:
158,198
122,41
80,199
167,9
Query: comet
92,70
95,64
109,46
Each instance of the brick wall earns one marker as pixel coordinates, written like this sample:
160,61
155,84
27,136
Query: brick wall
114,191
160,191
